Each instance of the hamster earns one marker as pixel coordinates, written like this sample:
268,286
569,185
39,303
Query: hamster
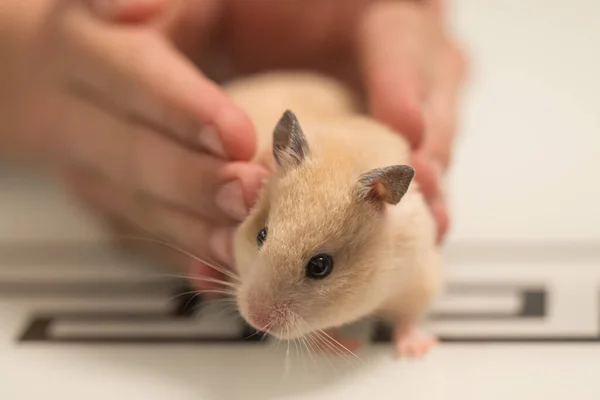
340,231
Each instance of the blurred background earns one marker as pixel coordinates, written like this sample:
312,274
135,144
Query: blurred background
530,148
524,202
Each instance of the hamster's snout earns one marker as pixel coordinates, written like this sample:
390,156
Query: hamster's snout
259,318
278,318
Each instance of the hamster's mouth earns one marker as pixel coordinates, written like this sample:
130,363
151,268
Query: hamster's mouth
288,334
279,318
281,327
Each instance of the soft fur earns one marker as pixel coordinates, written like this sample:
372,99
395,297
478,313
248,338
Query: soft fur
386,261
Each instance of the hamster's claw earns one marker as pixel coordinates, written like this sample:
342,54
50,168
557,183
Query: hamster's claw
413,342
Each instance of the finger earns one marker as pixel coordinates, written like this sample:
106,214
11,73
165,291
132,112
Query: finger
204,240
447,77
198,270
127,10
428,175
442,218
138,158
101,199
438,9
140,74
391,51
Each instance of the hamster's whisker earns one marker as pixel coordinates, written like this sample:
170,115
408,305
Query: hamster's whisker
334,349
229,308
182,294
200,278
212,265
287,352
337,351
228,303
302,346
214,280
341,345
307,346
196,294
295,342
312,337
258,331
200,292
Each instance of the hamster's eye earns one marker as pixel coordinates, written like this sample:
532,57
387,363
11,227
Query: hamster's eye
262,236
319,267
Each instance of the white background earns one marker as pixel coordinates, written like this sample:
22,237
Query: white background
528,157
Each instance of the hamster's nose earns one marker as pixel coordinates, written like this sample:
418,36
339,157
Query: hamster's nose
259,318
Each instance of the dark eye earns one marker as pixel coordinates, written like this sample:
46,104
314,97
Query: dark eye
319,267
262,236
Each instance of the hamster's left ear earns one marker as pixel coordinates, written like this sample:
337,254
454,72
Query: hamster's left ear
388,184
290,147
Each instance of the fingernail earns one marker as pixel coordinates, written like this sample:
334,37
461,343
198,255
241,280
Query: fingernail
221,244
230,199
210,140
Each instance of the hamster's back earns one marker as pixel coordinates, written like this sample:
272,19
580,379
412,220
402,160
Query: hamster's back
328,111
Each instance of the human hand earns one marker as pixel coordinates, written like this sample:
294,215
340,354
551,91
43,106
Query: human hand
136,130
422,67
400,54
414,85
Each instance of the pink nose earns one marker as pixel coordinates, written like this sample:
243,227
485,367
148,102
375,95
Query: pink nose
258,318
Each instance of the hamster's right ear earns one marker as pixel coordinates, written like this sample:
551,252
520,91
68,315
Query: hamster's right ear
290,147
388,184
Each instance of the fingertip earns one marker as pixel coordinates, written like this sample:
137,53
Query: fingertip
441,215
426,175
253,184
252,177
198,270
237,133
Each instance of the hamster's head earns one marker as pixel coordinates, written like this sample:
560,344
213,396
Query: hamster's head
314,250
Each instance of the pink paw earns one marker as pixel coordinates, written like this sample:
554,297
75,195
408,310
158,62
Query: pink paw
414,343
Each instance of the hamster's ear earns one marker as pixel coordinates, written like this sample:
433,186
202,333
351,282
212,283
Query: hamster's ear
387,184
289,143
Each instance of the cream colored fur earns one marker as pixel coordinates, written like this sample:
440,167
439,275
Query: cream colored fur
387,266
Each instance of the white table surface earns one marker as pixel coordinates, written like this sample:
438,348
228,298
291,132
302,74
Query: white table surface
524,196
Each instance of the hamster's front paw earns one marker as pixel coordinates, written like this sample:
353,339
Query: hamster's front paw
413,342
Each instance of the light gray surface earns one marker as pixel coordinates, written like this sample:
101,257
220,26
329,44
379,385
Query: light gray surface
196,371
